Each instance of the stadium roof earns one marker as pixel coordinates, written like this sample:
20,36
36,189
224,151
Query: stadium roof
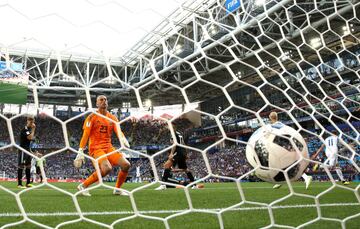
253,34
86,28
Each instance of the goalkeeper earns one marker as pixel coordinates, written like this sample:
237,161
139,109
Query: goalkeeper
98,131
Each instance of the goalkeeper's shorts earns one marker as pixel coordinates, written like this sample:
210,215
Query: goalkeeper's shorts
113,158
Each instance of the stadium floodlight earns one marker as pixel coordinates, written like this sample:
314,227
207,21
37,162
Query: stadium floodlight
213,30
67,78
80,101
347,29
286,55
260,2
178,49
110,81
126,104
315,42
148,103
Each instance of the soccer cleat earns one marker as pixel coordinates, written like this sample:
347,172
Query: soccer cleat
276,186
120,193
198,186
308,181
21,186
315,167
345,182
29,186
161,187
84,192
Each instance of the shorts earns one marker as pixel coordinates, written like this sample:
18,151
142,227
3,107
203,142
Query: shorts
113,158
24,159
179,160
32,170
331,160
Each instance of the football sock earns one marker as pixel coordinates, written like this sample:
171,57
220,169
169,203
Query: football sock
340,174
304,176
166,175
121,178
91,179
28,175
173,181
190,176
20,172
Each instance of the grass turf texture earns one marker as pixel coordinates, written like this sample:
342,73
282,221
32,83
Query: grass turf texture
106,208
12,93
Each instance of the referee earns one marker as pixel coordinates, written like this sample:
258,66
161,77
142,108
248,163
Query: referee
24,159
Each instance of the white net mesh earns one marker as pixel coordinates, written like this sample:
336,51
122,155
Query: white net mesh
224,72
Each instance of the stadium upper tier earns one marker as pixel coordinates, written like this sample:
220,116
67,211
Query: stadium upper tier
202,41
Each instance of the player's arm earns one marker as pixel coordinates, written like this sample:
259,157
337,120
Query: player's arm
317,152
120,134
84,138
171,155
80,158
31,135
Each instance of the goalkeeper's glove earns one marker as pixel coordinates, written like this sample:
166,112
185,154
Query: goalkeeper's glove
80,158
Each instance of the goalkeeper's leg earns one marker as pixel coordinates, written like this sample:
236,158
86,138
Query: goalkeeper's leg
104,165
121,178
105,168
118,159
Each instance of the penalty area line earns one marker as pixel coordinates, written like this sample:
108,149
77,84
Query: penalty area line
44,214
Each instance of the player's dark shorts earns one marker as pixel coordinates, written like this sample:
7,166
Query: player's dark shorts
24,158
38,171
179,160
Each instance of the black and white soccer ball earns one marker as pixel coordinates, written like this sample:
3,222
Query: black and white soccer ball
277,146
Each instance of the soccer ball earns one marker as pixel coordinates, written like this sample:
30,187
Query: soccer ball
270,147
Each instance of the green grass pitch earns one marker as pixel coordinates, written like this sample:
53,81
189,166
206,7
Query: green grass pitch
12,93
51,207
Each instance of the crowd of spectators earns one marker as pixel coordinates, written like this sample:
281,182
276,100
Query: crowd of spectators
228,160
49,132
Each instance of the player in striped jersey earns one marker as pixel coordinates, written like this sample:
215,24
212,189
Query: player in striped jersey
331,152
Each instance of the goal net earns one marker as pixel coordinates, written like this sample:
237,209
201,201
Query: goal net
214,70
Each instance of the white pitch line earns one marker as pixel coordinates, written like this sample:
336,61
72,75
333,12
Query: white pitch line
150,189
44,214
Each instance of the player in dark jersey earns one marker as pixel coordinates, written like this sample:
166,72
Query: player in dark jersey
27,134
177,158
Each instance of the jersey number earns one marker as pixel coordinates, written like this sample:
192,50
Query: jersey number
330,142
103,129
